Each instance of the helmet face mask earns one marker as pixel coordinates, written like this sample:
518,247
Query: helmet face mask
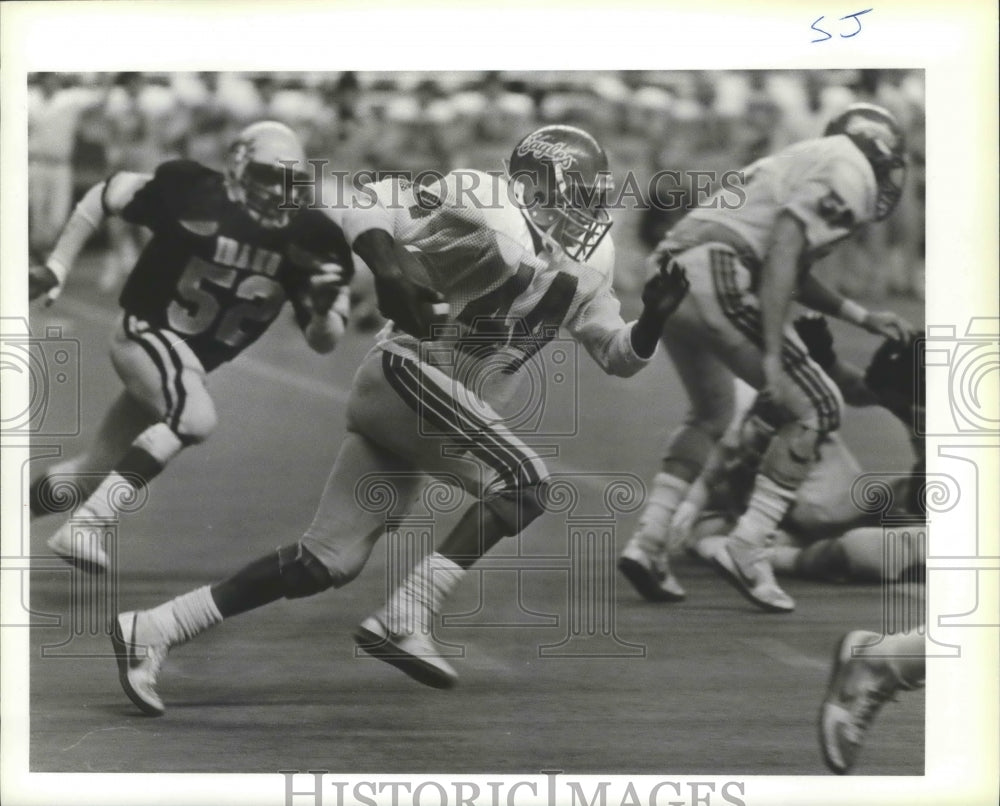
561,182
264,176
879,137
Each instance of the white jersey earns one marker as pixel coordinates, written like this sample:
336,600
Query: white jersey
825,183
509,295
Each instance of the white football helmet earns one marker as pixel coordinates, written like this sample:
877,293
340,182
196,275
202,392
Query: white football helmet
265,173
877,133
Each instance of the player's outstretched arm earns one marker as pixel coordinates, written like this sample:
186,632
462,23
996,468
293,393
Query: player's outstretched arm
816,295
319,291
661,296
97,203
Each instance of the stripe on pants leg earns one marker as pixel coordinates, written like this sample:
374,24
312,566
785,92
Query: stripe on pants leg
495,445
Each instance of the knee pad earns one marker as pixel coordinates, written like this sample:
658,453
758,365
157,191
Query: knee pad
792,452
301,573
516,507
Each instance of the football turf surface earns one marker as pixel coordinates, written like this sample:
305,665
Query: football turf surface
706,686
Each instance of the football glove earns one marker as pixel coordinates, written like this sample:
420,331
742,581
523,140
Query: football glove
661,295
666,289
415,308
41,280
815,333
324,288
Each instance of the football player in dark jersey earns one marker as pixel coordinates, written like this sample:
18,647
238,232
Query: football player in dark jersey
227,251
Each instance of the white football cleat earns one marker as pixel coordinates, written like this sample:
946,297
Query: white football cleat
650,575
82,549
410,652
138,665
858,689
748,569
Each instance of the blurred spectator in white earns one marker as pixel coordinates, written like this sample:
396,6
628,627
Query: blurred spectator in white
213,119
756,130
297,105
790,90
491,119
146,126
419,136
55,109
90,149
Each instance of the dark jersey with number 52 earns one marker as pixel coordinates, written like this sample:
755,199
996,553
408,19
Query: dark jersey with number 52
211,273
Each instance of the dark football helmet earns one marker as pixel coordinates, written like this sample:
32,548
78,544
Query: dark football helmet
560,179
260,167
878,135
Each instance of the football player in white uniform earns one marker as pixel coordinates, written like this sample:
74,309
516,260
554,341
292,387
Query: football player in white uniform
824,535
511,260
745,265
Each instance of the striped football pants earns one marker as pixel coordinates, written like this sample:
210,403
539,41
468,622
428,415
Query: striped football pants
164,376
717,334
408,422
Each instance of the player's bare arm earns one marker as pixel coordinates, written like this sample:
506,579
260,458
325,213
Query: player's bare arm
813,293
415,307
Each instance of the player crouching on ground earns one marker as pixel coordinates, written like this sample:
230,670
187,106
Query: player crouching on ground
225,255
824,535
745,266
527,256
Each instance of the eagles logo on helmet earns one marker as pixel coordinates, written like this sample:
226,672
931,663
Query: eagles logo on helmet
561,181
258,177
877,133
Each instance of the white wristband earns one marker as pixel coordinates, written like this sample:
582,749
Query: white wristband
57,268
851,311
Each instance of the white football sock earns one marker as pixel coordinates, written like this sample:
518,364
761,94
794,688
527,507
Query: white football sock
768,504
654,523
422,593
178,620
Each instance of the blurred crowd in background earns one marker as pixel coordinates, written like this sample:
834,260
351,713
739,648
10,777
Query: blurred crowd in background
84,126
